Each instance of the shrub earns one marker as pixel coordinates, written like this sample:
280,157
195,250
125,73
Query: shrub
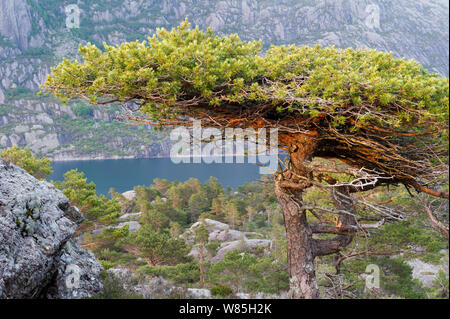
113,288
180,274
18,93
442,284
39,168
82,110
106,264
221,290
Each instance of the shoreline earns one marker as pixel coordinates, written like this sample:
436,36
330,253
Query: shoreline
133,157
76,159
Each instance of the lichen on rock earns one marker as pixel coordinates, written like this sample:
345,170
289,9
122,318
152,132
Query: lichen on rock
37,251
26,213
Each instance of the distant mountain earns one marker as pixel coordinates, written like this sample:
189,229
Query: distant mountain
34,36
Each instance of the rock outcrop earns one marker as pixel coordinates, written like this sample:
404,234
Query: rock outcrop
130,216
15,23
244,244
38,256
129,195
230,239
51,129
426,272
155,287
132,227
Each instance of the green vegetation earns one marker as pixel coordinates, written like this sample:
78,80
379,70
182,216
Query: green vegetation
19,93
386,117
349,95
396,236
156,249
82,110
183,273
221,290
223,70
39,168
84,196
113,289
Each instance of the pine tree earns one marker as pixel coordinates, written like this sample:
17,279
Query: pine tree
385,118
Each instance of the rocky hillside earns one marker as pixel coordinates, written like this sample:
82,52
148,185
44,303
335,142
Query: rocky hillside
34,36
38,257
76,131
229,239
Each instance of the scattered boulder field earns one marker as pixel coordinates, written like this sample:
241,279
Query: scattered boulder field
230,239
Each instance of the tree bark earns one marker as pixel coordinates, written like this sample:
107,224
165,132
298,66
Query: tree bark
302,248
302,279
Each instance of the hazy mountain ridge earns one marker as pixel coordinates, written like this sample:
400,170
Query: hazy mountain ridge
34,37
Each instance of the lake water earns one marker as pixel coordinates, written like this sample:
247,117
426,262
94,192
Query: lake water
124,174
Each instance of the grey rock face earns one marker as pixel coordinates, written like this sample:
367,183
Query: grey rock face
130,216
426,272
41,127
15,21
231,240
38,257
132,226
198,293
77,274
154,287
245,244
212,225
129,195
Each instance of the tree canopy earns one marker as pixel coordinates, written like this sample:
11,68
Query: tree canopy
364,107
38,167
384,117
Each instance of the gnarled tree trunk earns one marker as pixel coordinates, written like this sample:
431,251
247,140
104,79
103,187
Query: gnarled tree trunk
302,248
300,252
289,186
